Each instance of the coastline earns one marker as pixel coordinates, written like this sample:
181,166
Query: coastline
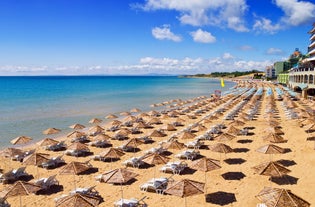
241,181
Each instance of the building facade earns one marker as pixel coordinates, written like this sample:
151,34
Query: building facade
301,77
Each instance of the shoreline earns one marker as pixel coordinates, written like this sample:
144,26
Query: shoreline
236,175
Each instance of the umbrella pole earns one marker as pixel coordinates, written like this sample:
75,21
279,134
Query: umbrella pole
122,193
20,201
205,182
75,187
185,202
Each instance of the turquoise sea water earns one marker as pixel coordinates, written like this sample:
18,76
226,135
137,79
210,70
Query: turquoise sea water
29,105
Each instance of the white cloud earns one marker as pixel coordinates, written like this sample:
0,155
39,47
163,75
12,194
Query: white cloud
263,25
274,51
246,47
164,33
221,13
227,56
297,12
203,36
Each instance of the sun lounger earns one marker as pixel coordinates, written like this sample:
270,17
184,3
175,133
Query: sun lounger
100,143
13,175
82,139
76,153
196,144
56,147
133,162
86,191
157,185
188,154
4,203
53,162
46,183
129,203
174,167
20,157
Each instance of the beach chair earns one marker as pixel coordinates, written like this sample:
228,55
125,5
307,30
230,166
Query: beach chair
56,147
132,202
157,185
100,143
4,203
53,162
46,183
188,154
90,191
135,162
13,175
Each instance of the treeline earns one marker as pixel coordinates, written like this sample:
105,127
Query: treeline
226,74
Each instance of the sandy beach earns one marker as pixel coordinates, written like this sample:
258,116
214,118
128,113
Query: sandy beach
236,179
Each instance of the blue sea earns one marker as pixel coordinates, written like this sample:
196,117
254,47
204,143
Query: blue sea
29,105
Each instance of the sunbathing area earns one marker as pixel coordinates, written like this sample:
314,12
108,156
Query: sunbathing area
252,147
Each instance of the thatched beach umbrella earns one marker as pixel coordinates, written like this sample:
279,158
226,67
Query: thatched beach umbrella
277,197
157,133
133,143
11,152
272,169
275,130
176,145
77,126
231,129
21,140
111,116
101,137
274,138
76,134
47,142
221,148
51,131
125,113
74,168
119,176
78,200
20,188
111,153
187,135
271,149
169,127
205,165
185,188
135,110
224,137
155,159
36,159
95,121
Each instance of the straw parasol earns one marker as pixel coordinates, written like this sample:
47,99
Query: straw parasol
111,153
20,188
157,133
77,126
275,130
119,176
185,188
272,169
277,197
173,145
155,159
133,143
11,152
51,131
78,146
74,168
101,137
125,113
95,121
231,129
224,137
21,140
221,148
271,149
95,129
205,164
111,116
187,135
78,199
76,134
135,110
169,127
274,138
36,159
47,142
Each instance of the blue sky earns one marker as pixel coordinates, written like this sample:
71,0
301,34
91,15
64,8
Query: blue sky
44,37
